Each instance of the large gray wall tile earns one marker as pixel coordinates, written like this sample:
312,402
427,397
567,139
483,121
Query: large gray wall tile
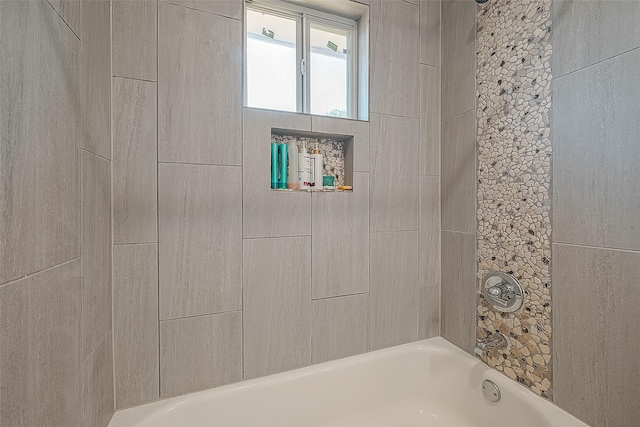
430,32
394,285
428,311
430,123
96,250
458,57
39,194
95,79
586,32
357,128
228,8
200,87
41,382
135,165
277,305
429,230
340,327
135,324
70,12
340,240
394,58
97,385
267,213
200,210
595,303
459,173
596,151
394,171
364,24
135,45
200,352
458,290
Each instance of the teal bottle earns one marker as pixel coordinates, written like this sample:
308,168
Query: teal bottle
282,177
274,165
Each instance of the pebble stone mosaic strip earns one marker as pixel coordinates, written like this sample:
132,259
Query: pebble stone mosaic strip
332,153
514,162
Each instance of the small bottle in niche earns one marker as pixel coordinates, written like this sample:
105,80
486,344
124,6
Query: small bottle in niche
292,175
282,157
274,165
304,168
317,168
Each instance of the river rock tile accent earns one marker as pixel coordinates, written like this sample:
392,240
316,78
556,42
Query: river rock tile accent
332,151
514,177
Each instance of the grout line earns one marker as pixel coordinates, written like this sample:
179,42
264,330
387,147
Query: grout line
208,12
51,267
242,315
134,78
102,340
596,63
340,296
65,22
197,164
459,232
111,209
242,275
157,46
443,119
95,154
394,231
311,358
134,243
368,331
476,262
239,310
577,245
276,237
394,115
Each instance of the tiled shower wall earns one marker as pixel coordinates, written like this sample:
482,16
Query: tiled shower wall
459,172
595,203
596,210
55,223
216,277
514,178
496,176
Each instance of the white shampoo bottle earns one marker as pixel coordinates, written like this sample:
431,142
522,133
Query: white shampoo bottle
318,168
304,169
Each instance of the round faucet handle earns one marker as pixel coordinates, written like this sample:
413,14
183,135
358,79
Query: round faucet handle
494,291
502,291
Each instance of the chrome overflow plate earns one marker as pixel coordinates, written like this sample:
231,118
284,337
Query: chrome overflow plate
491,391
502,291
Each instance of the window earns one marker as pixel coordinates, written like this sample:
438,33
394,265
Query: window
301,60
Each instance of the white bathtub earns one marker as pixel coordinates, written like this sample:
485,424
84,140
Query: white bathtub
428,383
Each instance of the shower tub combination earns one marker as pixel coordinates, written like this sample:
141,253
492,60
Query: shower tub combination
428,384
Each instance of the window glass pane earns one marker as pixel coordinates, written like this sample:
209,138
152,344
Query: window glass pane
329,72
271,61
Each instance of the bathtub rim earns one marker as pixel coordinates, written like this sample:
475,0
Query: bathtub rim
132,416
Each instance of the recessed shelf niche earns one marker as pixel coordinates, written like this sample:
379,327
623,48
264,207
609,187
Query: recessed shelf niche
336,150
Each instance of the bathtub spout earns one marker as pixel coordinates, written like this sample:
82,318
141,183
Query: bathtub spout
496,341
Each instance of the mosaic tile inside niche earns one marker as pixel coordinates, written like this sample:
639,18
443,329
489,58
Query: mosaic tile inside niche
514,161
332,153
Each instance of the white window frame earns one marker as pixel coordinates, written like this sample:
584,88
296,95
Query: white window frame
305,18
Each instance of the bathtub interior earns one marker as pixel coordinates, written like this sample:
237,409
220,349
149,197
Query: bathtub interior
431,383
